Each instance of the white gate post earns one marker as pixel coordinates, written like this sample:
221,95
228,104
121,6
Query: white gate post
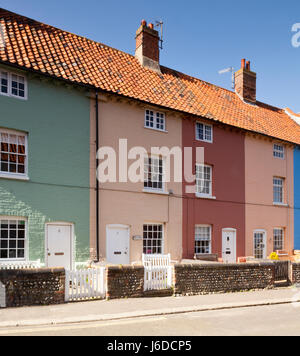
2,296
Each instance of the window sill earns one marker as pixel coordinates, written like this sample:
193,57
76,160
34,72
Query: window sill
158,130
14,177
203,196
205,141
153,191
281,204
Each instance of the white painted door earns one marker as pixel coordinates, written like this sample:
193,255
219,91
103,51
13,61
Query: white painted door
117,244
229,245
260,250
59,245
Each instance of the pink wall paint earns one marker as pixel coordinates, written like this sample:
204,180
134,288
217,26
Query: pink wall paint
126,203
261,213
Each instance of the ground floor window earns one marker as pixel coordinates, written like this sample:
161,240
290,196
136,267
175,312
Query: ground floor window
278,239
202,239
12,239
153,239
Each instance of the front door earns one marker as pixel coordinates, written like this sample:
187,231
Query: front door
229,245
260,244
117,244
59,245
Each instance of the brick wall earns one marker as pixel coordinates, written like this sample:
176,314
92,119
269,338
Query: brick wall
218,278
33,287
295,273
125,282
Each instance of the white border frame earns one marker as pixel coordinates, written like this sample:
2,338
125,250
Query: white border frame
201,195
72,242
212,132
17,176
157,190
283,237
10,95
26,257
163,236
211,234
284,150
283,190
154,121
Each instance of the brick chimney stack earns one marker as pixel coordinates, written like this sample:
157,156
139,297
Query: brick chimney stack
245,82
147,46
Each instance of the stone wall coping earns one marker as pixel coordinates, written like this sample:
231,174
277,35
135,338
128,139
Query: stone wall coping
6,273
224,266
124,267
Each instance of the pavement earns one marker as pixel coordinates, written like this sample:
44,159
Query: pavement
98,311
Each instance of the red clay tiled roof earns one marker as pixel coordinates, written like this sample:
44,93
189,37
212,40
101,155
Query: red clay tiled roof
45,49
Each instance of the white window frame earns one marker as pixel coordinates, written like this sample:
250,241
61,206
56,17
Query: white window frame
210,239
205,195
163,237
156,119
10,175
9,78
282,230
26,241
205,126
151,189
278,186
278,151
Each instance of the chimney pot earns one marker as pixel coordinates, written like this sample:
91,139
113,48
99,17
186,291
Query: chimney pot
144,23
151,26
243,63
248,65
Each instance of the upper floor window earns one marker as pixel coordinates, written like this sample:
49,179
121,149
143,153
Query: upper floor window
13,85
204,132
203,180
153,173
278,185
155,120
278,151
13,153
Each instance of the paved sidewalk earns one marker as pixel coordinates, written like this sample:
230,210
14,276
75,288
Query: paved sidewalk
132,308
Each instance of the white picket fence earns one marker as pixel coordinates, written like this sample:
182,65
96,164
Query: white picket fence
158,272
85,284
20,265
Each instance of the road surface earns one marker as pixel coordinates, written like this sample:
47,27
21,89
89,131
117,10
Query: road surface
265,320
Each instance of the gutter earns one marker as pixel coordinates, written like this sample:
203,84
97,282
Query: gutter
97,182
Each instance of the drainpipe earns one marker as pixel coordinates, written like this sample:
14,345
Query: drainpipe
97,182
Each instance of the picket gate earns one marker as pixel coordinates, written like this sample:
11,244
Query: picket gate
158,272
85,284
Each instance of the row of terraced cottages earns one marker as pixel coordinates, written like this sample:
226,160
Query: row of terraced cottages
233,192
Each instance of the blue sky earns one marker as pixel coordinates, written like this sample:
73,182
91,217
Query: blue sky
201,37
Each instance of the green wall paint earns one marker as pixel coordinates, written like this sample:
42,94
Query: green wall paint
56,119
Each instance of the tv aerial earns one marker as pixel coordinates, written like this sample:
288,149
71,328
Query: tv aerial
160,25
228,70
